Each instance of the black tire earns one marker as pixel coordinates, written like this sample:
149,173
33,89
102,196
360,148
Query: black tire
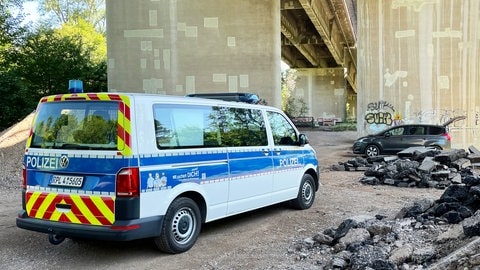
372,150
181,226
306,193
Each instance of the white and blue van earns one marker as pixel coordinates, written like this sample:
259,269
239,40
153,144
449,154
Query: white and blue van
120,166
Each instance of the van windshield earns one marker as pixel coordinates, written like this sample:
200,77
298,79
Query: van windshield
76,125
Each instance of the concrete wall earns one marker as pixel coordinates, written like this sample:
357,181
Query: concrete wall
418,63
191,46
325,91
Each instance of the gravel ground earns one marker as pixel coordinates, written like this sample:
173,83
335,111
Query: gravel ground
261,239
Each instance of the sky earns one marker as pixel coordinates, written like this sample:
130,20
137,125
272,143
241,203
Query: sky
30,8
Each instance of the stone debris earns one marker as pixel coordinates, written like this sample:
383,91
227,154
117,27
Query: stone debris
422,167
424,234
413,242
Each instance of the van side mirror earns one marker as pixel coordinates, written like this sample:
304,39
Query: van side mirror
302,139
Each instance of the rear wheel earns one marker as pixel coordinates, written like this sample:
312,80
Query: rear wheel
181,226
372,150
306,193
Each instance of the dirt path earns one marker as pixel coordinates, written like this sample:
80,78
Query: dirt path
258,240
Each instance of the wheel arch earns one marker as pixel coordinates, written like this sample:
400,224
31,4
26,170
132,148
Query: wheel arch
315,176
199,200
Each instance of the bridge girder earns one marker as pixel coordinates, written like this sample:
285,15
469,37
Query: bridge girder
320,34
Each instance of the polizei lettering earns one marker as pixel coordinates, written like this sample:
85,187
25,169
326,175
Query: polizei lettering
43,162
289,162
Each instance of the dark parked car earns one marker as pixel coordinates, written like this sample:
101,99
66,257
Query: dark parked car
398,138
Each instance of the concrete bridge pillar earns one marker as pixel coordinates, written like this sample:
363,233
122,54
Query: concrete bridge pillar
326,93
190,46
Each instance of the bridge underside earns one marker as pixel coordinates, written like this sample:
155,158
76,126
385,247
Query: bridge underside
320,34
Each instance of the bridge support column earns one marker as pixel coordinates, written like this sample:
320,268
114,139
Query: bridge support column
326,92
190,46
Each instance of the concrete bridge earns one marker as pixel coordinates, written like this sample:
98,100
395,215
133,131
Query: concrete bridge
192,46
401,61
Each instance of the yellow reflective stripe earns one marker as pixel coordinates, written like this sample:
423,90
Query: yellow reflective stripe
57,214
103,97
31,201
109,215
45,204
71,216
85,211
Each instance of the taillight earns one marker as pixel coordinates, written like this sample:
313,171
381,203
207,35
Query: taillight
128,183
449,138
24,177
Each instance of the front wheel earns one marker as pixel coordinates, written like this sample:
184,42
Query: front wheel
372,150
306,193
181,226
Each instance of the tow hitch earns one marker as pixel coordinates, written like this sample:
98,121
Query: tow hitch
55,239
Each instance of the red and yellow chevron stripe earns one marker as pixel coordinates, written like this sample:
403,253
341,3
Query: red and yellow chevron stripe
124,127
71,208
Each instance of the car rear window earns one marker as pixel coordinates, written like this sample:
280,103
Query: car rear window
436,130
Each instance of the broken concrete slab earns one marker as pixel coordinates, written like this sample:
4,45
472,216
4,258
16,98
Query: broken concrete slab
427,165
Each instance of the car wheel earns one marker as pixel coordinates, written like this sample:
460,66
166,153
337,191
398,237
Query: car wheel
306,193
372,150
181,226
436,147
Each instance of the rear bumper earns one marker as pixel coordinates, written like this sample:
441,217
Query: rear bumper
124,230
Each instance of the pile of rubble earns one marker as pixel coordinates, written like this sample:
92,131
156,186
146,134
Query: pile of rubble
426,234
416,167
367,242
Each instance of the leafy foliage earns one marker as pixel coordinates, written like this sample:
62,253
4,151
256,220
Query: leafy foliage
48,60
39,62
76,11
292,106
14,104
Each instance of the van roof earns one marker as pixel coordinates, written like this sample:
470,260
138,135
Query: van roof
240,97
189,99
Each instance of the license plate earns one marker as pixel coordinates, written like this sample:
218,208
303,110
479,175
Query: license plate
67,181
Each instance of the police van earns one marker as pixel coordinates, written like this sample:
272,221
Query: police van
125,166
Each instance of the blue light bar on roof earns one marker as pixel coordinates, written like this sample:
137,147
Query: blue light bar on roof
75,86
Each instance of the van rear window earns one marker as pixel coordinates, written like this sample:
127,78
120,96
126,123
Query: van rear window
88,125
189,126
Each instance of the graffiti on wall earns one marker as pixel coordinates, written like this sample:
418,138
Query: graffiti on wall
380,112
438,116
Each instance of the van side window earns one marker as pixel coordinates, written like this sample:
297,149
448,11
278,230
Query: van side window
181,126
243,127
190,126
283,132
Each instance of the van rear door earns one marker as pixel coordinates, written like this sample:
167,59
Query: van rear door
75,149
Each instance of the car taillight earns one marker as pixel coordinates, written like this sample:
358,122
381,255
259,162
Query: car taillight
449,138
24,177
128,183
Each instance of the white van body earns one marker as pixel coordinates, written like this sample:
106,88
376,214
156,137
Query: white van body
119,166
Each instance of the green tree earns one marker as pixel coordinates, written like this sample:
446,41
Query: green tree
292,106
47,61
74,11
41,62
13,103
